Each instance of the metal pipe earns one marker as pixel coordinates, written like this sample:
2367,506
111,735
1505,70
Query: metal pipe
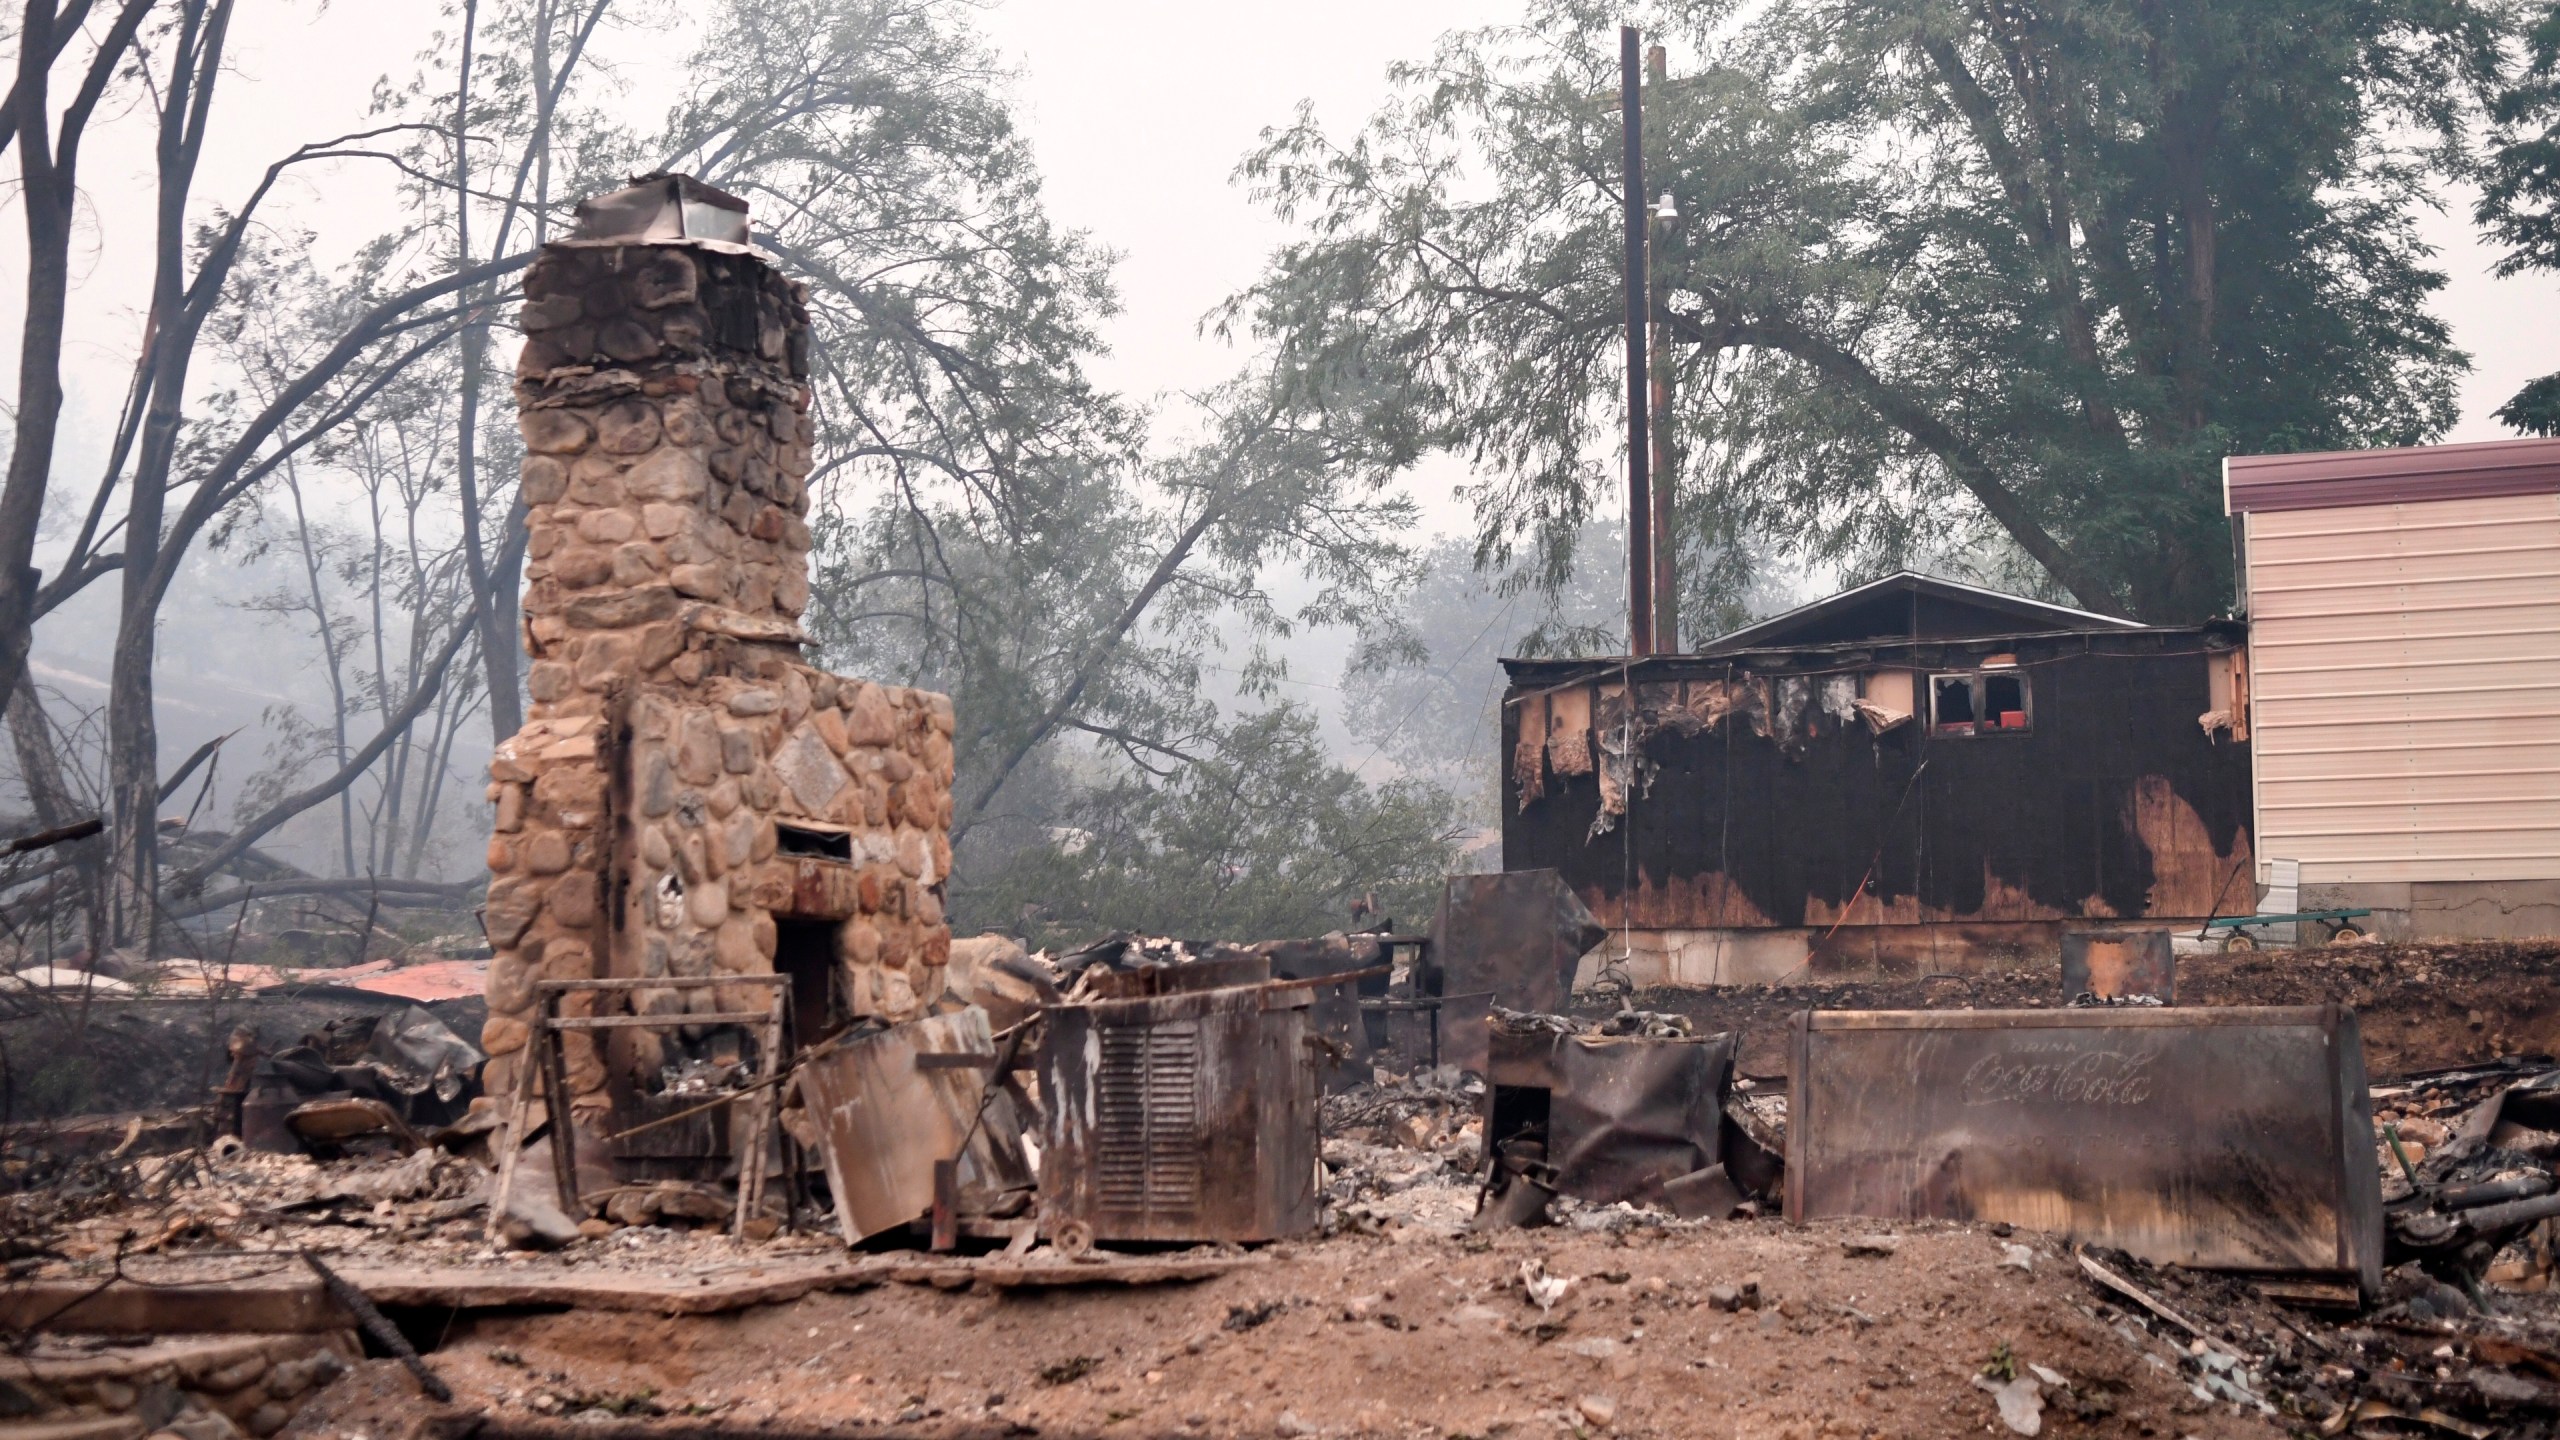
1639,427
1666,545
2490,1218
2491,1192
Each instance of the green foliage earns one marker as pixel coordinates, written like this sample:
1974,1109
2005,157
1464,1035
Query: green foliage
1424,690
1946,272
2520,183
2535,410
990,524
2003,1364
876,141
2520,192
1081,625
1261,837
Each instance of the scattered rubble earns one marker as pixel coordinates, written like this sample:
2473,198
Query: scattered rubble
2464,1336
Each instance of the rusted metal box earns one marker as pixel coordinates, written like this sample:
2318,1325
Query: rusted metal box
1517,935
1620,1114
1181,1115
2230,1139
2117,962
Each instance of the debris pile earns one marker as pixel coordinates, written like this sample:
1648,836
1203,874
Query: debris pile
1425,1110
1404,1151
360,1075
1624,1126
2469,1174
2429,1356
1630,1109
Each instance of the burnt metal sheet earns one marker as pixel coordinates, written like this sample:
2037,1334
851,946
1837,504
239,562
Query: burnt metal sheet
1465,1030
2236,1138
886,1116
1516,935
1184,1117
1623,1114
1334,1012
2116,962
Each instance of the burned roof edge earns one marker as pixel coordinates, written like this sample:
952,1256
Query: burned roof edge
2065,617
2211,637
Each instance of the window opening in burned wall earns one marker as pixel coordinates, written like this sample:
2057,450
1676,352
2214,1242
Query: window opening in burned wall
1986,702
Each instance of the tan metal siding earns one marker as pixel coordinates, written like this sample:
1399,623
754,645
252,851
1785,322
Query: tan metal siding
2405,689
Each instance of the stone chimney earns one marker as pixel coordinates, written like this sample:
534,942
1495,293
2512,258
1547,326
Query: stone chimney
687,797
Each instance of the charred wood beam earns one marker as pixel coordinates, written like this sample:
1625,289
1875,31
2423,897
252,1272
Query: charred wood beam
417,893
83,829
57,835
384,1333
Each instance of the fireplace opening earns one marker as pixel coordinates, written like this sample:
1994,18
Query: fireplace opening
805,950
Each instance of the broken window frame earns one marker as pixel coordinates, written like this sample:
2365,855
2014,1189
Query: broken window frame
1977,685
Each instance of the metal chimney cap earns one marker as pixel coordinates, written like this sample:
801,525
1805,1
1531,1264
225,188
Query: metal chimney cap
664,207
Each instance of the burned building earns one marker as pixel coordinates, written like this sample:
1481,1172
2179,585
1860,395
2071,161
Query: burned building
689,799
1912,776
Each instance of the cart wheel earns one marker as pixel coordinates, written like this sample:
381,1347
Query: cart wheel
1074,1239
2346,935
2239,940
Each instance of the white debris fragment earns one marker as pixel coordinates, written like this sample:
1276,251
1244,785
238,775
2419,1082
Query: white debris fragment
2018,1257
1544,1288
2021,1401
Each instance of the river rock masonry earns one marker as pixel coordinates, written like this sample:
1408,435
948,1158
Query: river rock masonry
687,797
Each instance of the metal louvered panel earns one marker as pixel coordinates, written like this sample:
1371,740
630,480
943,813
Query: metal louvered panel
1147,1143
1185,1115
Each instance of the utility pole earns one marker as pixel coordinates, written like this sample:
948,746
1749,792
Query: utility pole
1664,477
1639,445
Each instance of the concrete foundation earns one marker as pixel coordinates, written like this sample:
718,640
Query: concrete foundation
2447,909
1803,956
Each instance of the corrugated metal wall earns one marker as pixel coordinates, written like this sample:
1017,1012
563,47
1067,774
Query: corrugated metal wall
2405,689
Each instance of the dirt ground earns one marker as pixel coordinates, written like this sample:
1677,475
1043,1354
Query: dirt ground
1415,1334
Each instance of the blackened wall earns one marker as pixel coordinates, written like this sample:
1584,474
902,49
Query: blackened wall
2117,804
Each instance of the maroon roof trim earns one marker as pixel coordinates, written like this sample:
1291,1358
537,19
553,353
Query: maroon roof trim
2333,478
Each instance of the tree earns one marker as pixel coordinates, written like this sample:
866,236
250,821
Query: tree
1082,606
2030,269
1259,836
860,112
2520,192
49,176
1422,692
992,523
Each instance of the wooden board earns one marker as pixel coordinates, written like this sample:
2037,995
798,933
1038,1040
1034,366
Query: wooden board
1036,1274
286,1304
734,1288
201,1303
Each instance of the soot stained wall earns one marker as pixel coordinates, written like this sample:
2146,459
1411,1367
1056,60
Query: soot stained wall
2117,803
